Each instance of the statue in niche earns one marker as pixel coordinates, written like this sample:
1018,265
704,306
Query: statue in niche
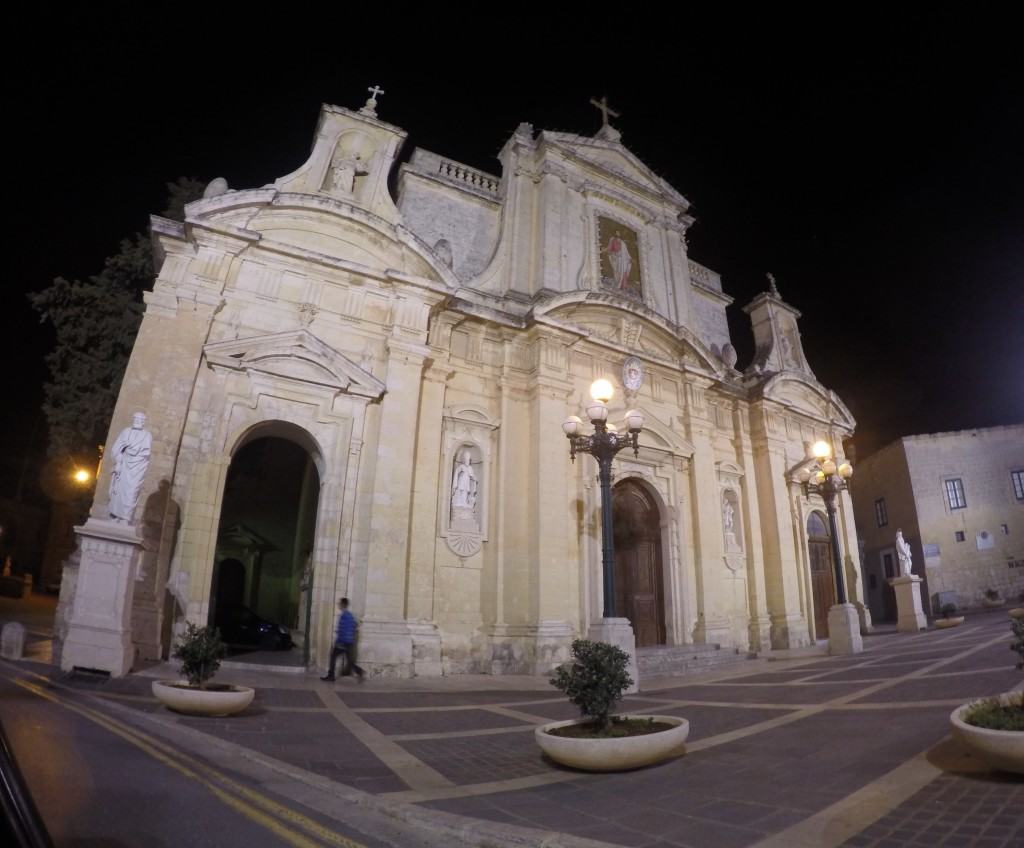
727,514
345,168
904,554
131,459
464,492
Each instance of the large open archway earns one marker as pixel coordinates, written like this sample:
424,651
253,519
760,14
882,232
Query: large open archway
823,590
639,572
263,575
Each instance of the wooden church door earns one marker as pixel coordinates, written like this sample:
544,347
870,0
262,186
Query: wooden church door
639,584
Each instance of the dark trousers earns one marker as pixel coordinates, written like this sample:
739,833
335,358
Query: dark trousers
349,665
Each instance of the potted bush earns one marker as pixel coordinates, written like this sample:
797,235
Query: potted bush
993,728
200,650
594,681
948,619
992,598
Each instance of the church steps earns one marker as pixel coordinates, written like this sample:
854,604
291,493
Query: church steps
668,660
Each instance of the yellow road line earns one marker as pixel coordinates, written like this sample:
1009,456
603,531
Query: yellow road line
193,769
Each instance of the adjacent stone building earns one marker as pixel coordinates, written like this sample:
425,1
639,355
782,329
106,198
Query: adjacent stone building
959,499
419,352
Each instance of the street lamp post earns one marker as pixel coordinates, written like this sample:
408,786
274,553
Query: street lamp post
603,445
827,479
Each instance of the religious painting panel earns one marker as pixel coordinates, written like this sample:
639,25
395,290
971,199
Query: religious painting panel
620,258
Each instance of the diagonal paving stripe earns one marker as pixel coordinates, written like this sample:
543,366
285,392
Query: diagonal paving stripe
416,773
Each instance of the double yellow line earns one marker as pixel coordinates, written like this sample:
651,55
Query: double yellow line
284,822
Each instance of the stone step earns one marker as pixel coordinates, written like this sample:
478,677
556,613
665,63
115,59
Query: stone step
669,660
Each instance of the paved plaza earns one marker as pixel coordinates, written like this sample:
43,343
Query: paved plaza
810,750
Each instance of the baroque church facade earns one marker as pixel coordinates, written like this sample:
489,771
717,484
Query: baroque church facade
420,353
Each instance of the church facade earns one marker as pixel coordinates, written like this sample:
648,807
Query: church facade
421,352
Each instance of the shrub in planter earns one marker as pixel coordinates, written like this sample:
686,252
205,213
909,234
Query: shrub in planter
948,610
200,651
595,681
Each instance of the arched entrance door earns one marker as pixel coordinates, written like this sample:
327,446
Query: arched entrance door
823,590
639,584
262,581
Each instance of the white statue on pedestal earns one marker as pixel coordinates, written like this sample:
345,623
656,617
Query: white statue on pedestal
130,455
904,554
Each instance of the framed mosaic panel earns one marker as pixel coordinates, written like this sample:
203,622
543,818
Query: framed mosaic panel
620,258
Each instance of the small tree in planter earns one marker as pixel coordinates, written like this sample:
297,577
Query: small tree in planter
1002,713
200,651
595,681
948,610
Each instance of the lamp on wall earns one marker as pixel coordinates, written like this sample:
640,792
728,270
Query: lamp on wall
827,479
603,445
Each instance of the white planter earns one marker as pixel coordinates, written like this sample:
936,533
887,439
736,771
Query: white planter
993,602
207,702
1000,749
615,754
943,623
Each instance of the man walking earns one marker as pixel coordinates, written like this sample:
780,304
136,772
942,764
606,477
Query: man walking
344,643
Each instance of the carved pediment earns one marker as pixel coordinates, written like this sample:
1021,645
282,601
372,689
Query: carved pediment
295,355
616,160
809,398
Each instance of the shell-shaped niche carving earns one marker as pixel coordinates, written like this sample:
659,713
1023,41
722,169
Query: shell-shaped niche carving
464,545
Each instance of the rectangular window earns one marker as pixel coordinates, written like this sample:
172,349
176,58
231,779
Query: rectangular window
1018,484
955,493
960,535
881,515
1006,529
888,566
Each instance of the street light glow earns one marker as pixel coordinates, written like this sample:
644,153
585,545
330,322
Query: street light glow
601,390
822,450
81,476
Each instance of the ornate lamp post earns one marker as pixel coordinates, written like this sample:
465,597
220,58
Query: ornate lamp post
603,445
827,479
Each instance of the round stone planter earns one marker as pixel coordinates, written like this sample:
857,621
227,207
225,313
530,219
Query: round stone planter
953,621
178,696
993,602
1017,612
615,754
999,749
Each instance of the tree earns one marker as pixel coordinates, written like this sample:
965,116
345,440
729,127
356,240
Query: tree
95,322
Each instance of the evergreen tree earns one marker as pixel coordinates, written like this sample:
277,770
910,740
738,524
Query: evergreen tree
95,321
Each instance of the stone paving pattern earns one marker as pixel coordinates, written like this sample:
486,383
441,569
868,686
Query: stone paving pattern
768,748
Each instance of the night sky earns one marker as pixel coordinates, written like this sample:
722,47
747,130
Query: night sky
875,165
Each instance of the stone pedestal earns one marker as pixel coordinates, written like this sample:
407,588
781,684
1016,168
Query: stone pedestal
426,649
100,631
619,632
12,641
844,630
385,648
908,604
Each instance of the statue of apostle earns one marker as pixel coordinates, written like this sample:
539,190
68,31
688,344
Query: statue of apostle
464,486
130,454
903,552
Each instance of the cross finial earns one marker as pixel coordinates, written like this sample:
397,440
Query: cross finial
605,109
370,108
774,289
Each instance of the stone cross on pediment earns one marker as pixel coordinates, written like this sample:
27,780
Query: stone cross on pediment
605,110
370,107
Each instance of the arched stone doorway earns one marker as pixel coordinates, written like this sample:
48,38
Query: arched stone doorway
823,590
639,573
263,566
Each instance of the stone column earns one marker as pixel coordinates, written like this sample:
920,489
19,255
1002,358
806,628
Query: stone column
385,643
911,616
100,634
788,624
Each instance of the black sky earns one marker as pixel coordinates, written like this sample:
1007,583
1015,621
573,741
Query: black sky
872,160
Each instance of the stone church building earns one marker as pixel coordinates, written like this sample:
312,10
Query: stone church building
381,356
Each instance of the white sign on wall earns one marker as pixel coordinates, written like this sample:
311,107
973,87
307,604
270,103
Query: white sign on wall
984,540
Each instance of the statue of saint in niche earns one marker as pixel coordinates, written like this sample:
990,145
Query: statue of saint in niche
465,486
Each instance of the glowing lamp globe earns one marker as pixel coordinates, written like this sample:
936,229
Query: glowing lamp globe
804,474
81,476
822,450
846,471
819,477
571,426
635,420
601,390
597,411
829,466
